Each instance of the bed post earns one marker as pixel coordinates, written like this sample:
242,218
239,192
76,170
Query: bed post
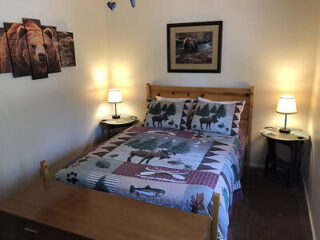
249,127
44,170
215,216
148,90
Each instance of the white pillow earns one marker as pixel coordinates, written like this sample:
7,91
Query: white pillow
222,102
159,98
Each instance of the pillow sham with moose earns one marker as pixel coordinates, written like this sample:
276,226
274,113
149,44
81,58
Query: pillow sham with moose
218,117
165,114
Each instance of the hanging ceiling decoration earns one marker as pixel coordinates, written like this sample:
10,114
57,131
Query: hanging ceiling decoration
112,4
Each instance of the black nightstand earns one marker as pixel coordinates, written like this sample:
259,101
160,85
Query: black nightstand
119,124
295,141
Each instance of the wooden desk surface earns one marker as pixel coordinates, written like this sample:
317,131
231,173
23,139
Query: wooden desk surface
99,215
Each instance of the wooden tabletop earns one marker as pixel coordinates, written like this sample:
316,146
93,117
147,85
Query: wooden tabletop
294,135
99,215
124,119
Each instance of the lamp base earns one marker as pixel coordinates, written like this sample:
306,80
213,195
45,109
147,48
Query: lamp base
115,116
284,130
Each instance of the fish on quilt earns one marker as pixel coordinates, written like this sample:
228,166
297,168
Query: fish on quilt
147,191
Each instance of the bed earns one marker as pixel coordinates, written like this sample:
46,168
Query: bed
189,170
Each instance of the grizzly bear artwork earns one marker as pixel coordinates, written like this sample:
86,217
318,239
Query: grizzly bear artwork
32,49
5,64
37,49
66,44
18,49
51,43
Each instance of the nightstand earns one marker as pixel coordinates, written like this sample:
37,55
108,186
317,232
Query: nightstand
294,141
117,125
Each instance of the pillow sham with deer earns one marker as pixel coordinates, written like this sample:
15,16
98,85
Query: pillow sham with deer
222,118
165,114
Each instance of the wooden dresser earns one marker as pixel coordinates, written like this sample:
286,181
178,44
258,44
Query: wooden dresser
53,211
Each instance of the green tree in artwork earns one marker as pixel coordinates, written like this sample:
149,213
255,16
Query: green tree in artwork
171,109
164,108
205,111
198,111
221,112
155,109
151,110
180,148
166,145
100,186
213,109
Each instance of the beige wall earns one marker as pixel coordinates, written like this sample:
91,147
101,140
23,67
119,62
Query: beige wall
269,44
55,118
312,176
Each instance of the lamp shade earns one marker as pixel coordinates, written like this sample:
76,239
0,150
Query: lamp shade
114,96
287,104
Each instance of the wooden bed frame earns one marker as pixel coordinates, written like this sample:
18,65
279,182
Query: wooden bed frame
215,94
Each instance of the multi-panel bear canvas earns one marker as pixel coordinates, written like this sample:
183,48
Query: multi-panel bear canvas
32,49
51,43
66,44
18,49
5,64
36,47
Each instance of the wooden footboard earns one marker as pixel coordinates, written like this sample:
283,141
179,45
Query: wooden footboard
44,169
215,216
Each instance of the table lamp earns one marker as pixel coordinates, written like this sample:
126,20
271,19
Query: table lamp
286,105
115,97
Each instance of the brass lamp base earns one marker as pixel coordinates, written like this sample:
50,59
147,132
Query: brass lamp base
284,130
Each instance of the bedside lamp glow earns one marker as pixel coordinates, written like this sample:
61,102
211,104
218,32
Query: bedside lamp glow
286,105
115,97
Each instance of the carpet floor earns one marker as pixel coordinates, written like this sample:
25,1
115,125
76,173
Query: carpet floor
270,210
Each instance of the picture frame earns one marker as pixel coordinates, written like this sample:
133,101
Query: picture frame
194,47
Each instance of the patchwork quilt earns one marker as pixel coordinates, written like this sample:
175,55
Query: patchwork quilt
178,169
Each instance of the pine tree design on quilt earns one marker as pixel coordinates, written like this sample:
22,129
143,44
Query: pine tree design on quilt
149,149
197,203
102,164
180,148
100,186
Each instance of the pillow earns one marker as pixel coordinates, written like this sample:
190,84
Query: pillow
218,117
190,106
159,98
166,114
210,101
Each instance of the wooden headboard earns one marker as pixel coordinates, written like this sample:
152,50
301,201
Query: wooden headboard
215,94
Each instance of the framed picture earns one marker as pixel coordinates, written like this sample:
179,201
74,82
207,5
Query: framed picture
194,47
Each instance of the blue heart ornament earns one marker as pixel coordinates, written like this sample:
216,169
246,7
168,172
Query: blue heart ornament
133,3
111,5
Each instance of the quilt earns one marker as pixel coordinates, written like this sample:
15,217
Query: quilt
177,169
